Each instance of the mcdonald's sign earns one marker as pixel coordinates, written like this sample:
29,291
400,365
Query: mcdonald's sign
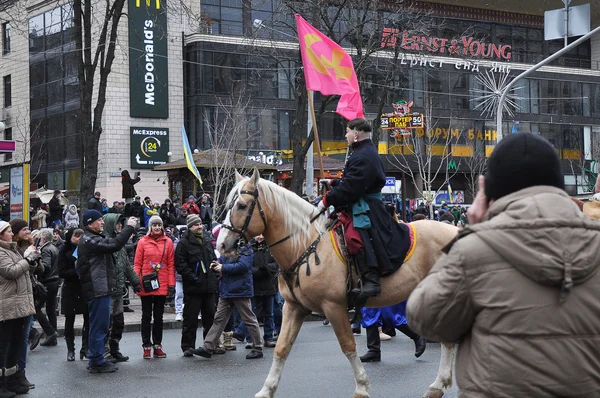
148,59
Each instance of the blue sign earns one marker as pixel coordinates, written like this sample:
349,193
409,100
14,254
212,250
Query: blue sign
390,181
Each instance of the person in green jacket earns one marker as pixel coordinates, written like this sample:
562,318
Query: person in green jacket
124,269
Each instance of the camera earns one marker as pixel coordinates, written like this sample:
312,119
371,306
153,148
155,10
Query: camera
36,242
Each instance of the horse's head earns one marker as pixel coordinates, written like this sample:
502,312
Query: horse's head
245,217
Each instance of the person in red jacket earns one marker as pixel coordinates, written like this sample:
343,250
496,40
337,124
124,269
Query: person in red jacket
191,205
154,256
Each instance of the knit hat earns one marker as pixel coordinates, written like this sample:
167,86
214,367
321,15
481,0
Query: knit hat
90,216
192,220
155,220
18,224
521,161
3,226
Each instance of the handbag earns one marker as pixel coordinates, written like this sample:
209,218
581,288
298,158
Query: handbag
40,292
150,281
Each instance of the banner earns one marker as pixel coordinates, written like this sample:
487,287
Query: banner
149,147
16,192
148,59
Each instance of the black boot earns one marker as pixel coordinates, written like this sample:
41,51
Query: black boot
50,340
369,278
4,393
23,379
420,342
12,382
373,344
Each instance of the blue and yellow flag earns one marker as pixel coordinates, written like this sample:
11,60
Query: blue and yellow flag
189,158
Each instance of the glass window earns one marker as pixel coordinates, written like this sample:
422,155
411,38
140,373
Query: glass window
417,87
285,76
229,77
571,98
54,69
534,92
519,44
72,132
37,74
55,139
7,91
207,72
459,90
8,136
262,77
437,89
399,90
6,38
549,97
37,97
521,96
54,92
285,119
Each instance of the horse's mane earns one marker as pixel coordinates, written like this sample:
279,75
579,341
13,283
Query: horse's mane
295,211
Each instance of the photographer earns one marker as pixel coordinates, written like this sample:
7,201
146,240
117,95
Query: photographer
193,257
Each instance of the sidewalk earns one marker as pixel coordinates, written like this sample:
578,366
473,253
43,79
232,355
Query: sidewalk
133,320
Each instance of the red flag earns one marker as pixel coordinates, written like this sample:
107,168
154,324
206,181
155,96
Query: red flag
329,69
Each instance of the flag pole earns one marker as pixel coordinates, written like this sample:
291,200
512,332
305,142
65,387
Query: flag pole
311,105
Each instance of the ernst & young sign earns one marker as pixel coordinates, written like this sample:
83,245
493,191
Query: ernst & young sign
148,62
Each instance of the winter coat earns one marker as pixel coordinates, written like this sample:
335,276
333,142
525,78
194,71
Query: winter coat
181,220
16,292
128,183
123,267
71,302
161,250
40,218
191,207
137,210
168,213
96,264
50,256
193,260
386,241
94,204
148,213
264,271
236,275
56,209
520,292
72,217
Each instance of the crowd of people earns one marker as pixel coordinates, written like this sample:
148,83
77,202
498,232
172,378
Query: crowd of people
164,253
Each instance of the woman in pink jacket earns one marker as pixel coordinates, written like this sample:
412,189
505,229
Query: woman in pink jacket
155,264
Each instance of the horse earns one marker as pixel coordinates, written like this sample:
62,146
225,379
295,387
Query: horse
313,277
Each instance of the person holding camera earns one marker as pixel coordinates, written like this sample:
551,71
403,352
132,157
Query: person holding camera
16,306
50,279
96,266
193,257
155,264
236,291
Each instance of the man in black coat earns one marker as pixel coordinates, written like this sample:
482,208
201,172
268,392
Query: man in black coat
56,209
385,241
94,202
193,257
96,266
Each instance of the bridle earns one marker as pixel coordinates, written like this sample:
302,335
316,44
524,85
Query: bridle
242,232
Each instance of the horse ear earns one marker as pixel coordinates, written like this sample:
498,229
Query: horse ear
238,177
255,176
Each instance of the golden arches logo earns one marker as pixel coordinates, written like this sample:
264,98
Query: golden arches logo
148,3
322,64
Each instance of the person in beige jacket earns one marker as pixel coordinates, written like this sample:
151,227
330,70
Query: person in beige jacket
16,304
519,290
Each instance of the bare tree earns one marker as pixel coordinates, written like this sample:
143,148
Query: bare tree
423,154
476,165
28,135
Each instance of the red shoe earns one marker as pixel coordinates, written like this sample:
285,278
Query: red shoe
158,352
147,352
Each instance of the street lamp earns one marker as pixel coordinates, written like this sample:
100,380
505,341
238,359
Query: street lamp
258,23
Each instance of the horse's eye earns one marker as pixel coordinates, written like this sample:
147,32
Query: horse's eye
242,206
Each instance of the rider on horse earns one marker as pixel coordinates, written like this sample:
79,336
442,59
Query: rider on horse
358,192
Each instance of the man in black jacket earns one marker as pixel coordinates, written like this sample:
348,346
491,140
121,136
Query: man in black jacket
96,266
50,279
193,257
56,209
94,202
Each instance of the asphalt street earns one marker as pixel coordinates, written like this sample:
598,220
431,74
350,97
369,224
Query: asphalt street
316,368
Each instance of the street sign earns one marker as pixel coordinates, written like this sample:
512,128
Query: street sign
392,121
578,22
390,181
8,146
149,147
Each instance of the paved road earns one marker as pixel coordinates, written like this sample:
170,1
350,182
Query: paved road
316,368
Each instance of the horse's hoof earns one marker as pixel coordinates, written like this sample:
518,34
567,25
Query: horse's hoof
434,393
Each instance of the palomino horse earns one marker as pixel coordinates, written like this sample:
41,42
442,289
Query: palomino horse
257,206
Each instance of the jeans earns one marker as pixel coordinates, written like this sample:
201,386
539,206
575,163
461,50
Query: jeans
152,307
195,304
22,361
263,308
11,337
99,326
178,297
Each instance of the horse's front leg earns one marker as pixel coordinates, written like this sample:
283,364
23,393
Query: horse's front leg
444,376
338,317
293,317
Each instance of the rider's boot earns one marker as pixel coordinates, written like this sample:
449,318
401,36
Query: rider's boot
369,278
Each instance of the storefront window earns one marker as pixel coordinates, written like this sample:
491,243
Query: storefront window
437,89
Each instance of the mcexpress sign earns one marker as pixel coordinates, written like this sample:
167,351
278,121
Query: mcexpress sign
465,46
